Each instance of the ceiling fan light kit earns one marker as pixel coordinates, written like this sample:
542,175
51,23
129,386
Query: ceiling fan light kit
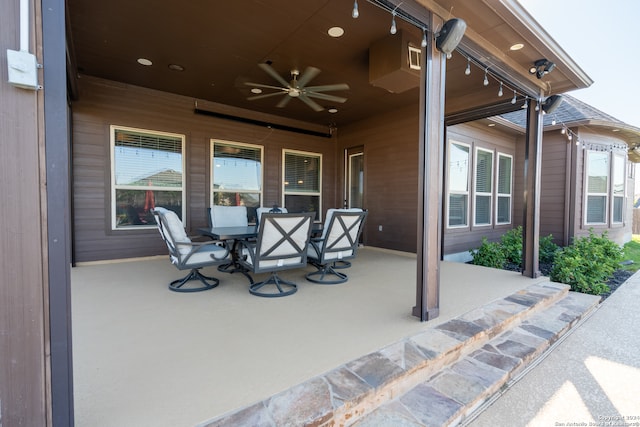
297,88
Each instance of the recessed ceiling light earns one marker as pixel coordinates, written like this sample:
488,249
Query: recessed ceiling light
516,46
335,31
615,130
144,61
176,67
491,125
256,90
332,110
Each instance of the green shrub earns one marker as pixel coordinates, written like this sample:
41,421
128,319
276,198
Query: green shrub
547,249
511,243
489,254
587,263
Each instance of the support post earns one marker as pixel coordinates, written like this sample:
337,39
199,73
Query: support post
430,173
57,151
532,168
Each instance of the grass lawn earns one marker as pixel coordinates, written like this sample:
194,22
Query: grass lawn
632,253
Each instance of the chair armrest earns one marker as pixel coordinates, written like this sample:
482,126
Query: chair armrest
314,244
245,247
198,246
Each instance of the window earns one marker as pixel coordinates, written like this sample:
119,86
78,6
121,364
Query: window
618,188
458,183
483,186
146,171
302,181
236,175
503,209
597,186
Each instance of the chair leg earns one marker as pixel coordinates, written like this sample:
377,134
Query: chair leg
207,282
326,270
282,287
340,264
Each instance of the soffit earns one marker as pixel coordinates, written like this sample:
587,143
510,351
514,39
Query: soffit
219,44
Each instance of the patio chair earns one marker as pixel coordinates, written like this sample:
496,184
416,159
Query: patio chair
273,209
281,245
227,216
340,264
339,242
188,255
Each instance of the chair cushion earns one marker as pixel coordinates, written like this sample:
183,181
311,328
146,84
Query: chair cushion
329,256
229,216
174,231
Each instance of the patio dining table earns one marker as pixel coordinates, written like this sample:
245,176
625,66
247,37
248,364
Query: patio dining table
231,236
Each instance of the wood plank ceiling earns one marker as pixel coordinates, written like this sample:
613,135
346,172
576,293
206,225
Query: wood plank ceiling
220,44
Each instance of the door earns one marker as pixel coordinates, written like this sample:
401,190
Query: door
355,179
354,182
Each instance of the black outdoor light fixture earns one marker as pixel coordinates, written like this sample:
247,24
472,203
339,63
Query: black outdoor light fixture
450,35
542,67
550,104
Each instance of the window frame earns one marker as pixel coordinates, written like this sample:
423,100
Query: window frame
587,194
114,186
456,192
476,193
212,145
285,152
623,192
504,195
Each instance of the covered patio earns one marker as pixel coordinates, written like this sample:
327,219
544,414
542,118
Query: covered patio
141,355
146,356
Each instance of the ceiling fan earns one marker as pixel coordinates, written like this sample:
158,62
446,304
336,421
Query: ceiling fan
297,88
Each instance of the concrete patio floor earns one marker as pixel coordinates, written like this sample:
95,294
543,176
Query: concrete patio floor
146,356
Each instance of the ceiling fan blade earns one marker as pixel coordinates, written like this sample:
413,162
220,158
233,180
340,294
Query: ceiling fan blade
327,88
266,86
266,95
311,103
269,70
326,97
283,102
309,74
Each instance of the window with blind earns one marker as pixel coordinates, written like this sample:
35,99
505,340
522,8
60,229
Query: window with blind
483,186
458,185
146,171
618,190
236,175
503,202
597,187
301,186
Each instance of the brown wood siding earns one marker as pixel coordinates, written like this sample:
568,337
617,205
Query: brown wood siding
103,103
553,186
23,280
391,176
619,233
457,240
